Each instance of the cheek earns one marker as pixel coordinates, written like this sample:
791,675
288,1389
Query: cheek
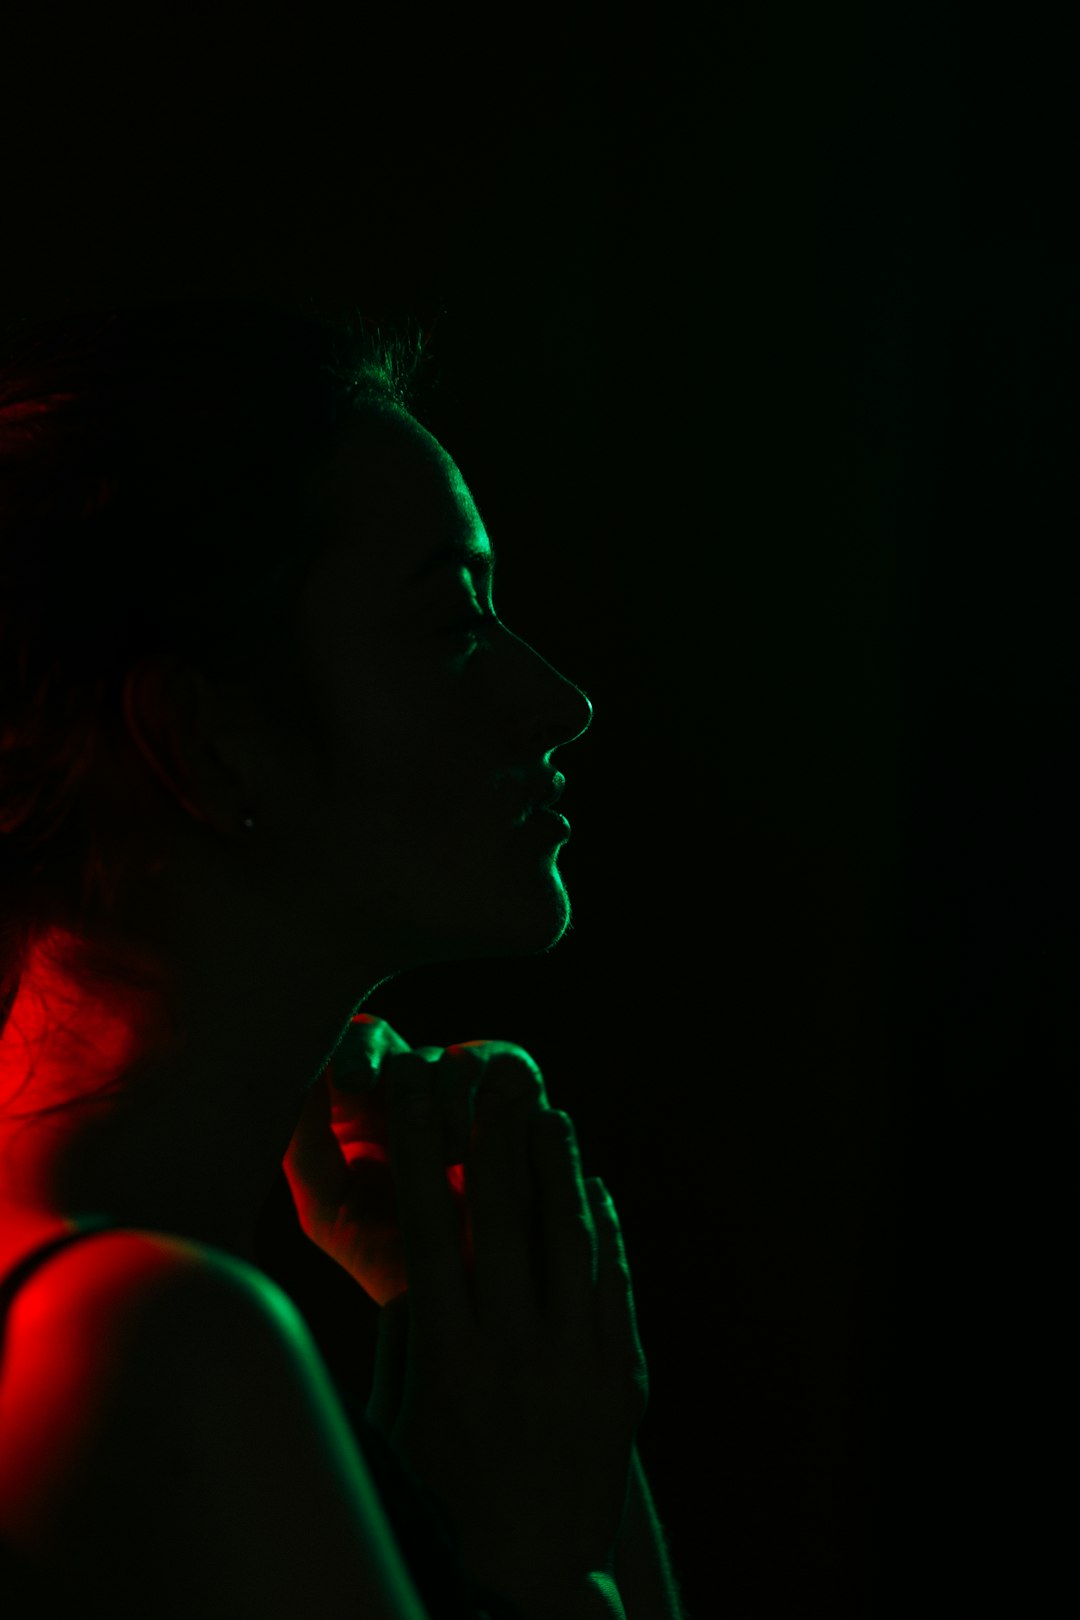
407,793
410,745
428,734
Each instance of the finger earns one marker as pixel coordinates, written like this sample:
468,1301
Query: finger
356,1075
313,1163
361,1115
391,1364
506,1067
616,1312
499,1199
458,1073
370,1026
426,1211
569,1234
364,1046
462,1069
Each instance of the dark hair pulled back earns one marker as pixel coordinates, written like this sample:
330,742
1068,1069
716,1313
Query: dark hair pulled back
155,469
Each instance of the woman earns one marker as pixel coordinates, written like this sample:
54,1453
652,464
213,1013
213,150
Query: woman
265,744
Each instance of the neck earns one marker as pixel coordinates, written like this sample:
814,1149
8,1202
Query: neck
176,1125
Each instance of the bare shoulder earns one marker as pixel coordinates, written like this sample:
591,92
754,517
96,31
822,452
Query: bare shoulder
140,1300
166,1416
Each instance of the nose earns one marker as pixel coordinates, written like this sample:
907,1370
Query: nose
560,710
585,713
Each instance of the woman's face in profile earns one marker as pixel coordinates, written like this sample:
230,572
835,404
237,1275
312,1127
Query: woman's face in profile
438,722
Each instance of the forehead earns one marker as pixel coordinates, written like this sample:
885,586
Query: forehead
391,496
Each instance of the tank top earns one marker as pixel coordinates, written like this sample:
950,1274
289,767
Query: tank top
428,1542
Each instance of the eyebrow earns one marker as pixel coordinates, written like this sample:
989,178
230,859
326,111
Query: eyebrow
456,555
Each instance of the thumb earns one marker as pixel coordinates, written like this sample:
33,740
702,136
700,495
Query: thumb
391,1360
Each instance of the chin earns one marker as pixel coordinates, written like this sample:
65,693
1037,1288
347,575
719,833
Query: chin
509,924
536,936
533,922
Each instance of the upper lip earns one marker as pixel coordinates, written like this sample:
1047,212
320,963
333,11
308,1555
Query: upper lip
558,782
549,792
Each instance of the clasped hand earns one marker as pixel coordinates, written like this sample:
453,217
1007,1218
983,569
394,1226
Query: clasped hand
338,1162
510,1375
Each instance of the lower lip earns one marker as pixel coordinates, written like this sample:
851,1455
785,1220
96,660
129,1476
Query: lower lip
549,822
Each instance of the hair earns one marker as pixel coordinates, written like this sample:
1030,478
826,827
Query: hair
156,469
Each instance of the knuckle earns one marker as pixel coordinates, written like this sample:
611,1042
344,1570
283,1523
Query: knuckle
513,1068
578,1231
411,1077
503,1052
577,1248
627,1388
503,1069
583,1245
413,1059
369,1041
636,1402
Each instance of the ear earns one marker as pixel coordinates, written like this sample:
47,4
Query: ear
156,711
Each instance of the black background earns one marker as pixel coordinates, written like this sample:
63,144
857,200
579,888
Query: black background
756,328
